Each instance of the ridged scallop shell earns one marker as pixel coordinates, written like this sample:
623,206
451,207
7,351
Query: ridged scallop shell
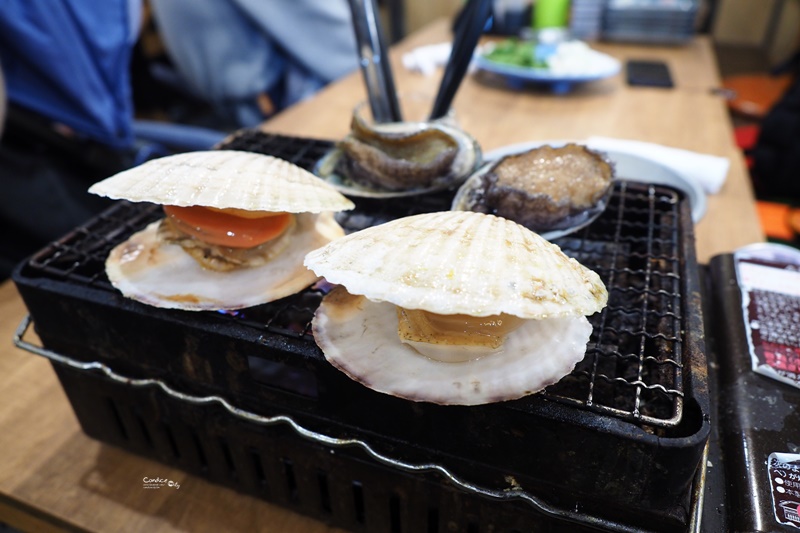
224,179
359,337
461,262
160,274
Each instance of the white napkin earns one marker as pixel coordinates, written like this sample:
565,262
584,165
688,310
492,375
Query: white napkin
426,59
709,171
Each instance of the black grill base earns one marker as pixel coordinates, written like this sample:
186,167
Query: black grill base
344,488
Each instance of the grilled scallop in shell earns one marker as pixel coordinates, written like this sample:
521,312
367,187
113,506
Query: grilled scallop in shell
453,308
552,191
236,230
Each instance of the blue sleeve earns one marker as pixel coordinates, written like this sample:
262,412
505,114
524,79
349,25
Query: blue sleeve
68,60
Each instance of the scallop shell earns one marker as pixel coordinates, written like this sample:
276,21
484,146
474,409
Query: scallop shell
224,179
461,262
148,270
359,337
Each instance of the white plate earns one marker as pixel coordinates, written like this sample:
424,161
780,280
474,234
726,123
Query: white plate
602,66
629,167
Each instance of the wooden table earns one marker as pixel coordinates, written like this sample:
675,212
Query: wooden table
54,478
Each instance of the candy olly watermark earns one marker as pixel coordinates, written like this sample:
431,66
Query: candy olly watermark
158,482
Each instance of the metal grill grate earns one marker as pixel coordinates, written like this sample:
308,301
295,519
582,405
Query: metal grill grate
633,368
634,364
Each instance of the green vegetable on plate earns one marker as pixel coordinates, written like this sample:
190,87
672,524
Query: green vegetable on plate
515,52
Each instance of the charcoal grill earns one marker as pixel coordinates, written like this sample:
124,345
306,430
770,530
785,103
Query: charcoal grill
246,399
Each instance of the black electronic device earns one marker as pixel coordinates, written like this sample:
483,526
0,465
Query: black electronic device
648,74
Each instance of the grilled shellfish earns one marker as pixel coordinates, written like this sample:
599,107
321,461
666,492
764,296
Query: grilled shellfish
453,308
401,158
551,191
237,228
